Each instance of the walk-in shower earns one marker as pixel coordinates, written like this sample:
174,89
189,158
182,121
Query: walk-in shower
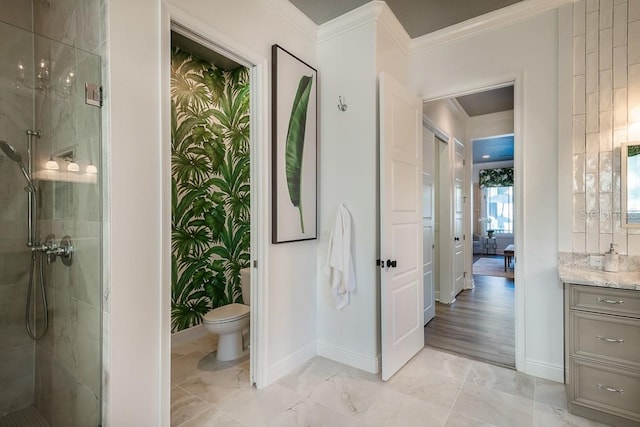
50,186
39,251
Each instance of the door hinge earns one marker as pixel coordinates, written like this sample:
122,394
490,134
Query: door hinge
255,263
464,162
464,237
464,274
93,94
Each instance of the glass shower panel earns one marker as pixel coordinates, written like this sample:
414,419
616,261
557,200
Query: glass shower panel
17,350
49,51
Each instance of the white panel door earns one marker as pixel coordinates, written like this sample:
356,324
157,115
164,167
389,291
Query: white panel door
458,218
428,222
401,301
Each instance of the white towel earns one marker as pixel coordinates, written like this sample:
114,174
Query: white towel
339,264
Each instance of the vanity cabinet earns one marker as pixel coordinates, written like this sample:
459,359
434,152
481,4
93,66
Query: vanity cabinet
602,353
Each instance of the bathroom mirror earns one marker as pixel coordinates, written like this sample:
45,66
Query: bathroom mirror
630,162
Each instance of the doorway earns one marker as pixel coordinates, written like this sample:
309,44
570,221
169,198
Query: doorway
214,226
479,321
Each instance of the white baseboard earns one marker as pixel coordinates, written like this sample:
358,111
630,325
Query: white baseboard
186,335
291,362
544,370
349,358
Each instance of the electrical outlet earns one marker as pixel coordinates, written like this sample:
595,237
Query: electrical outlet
596,260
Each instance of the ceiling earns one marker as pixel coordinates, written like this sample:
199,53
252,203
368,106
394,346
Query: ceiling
498,149
419,17
487,102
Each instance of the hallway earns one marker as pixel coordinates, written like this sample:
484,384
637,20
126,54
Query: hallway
479,324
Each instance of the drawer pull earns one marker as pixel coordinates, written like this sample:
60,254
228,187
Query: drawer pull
610,389
610,339
610,301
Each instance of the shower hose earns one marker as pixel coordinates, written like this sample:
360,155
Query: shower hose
35,255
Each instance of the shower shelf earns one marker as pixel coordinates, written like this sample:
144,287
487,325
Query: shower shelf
64,176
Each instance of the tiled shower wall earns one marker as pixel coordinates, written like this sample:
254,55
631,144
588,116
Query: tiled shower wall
17,350
606,106
63,376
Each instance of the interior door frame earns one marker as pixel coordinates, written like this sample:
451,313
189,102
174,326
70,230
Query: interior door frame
172,19
517,80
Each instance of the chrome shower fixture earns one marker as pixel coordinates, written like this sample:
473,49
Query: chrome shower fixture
13,154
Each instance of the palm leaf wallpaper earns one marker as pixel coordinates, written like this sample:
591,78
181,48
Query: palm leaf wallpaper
210,186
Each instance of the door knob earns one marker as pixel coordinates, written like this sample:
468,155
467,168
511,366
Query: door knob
392,264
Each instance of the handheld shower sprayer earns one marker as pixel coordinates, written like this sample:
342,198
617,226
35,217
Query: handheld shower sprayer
13,154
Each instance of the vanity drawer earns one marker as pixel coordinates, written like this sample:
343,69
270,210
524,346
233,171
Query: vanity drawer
605,388
605,300
611,338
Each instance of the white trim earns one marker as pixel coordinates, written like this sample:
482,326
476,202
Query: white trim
350,21
392,25
518,131
290,13
187,335
165,188
439,133
259,131
503,17
291,362
374,11
519,217
349,358
545,370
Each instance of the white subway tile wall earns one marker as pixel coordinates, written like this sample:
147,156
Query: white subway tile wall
606,113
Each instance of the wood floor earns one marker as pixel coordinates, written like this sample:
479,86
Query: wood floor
479,324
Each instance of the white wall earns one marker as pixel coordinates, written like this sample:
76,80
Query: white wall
449,117
353,50
139,331
348,170
525,52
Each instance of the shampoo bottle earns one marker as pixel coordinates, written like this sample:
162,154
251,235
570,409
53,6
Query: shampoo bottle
611,259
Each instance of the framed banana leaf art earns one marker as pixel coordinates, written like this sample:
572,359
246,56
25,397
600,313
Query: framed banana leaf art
294,151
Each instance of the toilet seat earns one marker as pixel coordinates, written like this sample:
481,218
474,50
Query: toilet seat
227,313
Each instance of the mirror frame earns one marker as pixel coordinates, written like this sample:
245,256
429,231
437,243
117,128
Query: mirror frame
624,151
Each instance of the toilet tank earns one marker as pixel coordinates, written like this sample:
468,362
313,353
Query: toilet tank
245,284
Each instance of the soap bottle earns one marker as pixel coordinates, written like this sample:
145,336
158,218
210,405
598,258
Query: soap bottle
611,260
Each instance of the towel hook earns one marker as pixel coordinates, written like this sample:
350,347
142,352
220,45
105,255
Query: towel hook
341,105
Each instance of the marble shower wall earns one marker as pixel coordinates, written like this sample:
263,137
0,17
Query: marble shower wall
606,106
17,350
65,37
68,387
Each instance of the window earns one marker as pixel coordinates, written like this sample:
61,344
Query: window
499,209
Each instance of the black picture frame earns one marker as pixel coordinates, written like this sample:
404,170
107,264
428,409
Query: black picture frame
294,154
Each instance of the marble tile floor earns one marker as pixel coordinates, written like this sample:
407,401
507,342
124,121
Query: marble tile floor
433,389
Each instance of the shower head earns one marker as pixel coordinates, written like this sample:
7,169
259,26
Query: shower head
13,154
10,151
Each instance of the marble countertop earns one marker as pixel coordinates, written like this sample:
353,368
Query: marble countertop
590,277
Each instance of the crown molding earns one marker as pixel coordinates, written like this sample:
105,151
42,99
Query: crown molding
287,11
374,11
392,25
350,21
512,14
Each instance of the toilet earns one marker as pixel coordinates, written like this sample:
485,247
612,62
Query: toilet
229,321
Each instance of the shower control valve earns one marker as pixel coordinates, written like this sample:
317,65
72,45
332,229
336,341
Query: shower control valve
53,249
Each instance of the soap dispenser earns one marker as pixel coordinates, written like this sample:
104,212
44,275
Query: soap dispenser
611,260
